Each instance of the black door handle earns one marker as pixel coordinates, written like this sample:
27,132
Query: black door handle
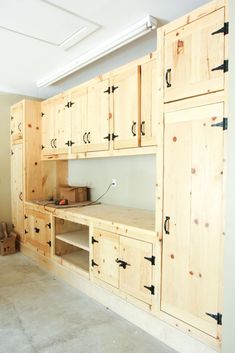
88,137
168,78
142,128
84,136
122,263
133,128
37,230
166,225
54,142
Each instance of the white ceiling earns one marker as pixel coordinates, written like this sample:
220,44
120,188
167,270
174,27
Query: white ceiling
38,37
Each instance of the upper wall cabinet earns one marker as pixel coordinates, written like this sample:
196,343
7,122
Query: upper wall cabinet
17,122
194,57
126,108
148,124
97,127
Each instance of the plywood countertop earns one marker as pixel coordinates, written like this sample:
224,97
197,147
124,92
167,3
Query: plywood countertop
122,219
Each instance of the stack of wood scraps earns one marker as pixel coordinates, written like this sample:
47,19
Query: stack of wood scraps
7,240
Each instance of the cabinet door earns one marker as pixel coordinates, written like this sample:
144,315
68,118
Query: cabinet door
62,125
193,212
192,52
105,253
17,121
79,120
126,108
37,230
17,197
98,117
48,131
137,275
148,125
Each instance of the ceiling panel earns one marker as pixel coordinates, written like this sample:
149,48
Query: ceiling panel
45,21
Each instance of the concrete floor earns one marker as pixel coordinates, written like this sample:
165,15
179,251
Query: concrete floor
41,314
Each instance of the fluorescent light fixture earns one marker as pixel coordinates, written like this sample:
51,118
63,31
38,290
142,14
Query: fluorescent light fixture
137,30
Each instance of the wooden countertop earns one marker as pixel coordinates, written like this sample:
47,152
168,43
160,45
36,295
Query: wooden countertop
124,219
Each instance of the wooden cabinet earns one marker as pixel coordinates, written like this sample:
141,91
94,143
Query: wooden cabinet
105,253
126,108
148,124
194,56
136,277
124,263
56,126
17,121
98,115
79,120
17,189
38,231
193,215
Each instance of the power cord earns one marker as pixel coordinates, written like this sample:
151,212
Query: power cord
100,197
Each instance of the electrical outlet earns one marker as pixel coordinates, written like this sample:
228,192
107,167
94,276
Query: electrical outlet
114,183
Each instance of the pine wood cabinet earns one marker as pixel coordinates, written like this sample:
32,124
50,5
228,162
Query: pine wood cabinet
148,123
124,263
126,108
37,229
17,122
17,188
194,56
193,215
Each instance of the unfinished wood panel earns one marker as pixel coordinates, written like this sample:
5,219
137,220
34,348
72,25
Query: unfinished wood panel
79,119
17,126
148,125
97,117
17,194
137,275
192,54
38,231
193,214
105,253
48,131
126,108
62,125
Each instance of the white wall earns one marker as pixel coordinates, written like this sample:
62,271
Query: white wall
6,100
229,270
135,178
135,175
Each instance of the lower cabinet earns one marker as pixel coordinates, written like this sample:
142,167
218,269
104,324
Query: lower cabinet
124,263
38,231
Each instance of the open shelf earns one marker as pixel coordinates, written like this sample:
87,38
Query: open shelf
79,259
78,238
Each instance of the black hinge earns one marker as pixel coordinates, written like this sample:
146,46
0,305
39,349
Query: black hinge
151,259
93,263
108,137
42,114
223,124
12,132
224,29
12,152
114,136
217,317
223,67
42,147
114,88
25,231
108,90
37,230
12,117
49,243
71,103
151,289
25,217
93,240
49,225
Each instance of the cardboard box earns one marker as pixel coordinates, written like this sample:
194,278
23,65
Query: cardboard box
8,245
74,194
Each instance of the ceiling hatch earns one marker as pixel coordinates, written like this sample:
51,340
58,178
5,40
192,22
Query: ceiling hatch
46,22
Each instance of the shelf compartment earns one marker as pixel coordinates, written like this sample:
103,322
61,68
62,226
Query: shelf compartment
78,238
78,259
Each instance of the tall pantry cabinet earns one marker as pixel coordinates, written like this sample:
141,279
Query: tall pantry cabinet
194,65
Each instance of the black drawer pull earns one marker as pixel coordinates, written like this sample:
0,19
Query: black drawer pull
122,263
133,128
166,225
142,128
84,137
88,137
168,78
37,230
